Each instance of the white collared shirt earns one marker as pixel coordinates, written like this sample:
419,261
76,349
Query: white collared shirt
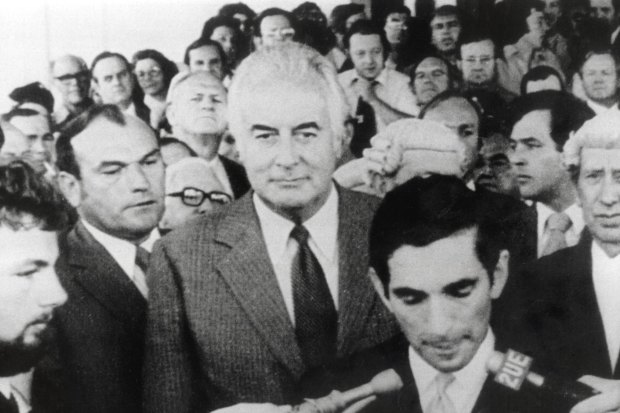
598,108
467,384
131,110
281,248
543,212
393,89
614,35
123,252
606,278
220,172
18,386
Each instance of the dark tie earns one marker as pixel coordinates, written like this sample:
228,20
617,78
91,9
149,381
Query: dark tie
316,320
142,259
8,406
139,275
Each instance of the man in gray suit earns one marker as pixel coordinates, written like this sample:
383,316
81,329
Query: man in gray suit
246,302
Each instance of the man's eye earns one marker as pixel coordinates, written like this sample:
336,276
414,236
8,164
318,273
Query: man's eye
412,299
306,135
111,171
27,272
462,292
264,136
152,160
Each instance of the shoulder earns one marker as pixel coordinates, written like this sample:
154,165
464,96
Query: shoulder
357,204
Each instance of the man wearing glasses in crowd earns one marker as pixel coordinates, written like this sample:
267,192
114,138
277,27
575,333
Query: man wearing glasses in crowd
71,78
273,26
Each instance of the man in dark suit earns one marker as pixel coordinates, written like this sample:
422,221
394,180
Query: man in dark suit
31,215
111,171
246,301
571,304
197,106
443,306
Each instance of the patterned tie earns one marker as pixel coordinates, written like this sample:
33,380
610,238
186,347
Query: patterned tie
441,402
557,225
139,273
316,320
8,406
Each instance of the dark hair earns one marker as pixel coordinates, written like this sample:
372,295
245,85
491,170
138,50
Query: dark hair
394,8
20,112
367,27
168,67
197,44
237,8
34,93
214,22
446,10
107,55
424,210
567,112
340,14
452,76
167,140
22,191
447,95
540,73
65,156
274,11
474,36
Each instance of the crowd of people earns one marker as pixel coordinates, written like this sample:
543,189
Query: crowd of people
305,202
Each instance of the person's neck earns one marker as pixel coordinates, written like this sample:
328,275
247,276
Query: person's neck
160,97
204,144
611,249
563,197
608,102
124,105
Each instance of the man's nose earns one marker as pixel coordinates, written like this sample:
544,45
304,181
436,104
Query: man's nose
438,320
49,290
137,178
286,151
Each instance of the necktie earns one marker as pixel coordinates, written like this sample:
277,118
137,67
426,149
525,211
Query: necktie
8,405
557,225
441,402
139,273
316,320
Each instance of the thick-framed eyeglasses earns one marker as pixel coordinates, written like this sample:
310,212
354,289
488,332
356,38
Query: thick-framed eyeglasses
82,76
195,197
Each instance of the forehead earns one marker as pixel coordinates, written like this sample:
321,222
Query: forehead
535,124
199,85
600,158
109,65
31,124
67,66
12,136
444,19
431,63
426,268
601,3
361,41
599,61
146,63
274,22
482,47
105,141
204,52
194,175
222,31
27,245
453,112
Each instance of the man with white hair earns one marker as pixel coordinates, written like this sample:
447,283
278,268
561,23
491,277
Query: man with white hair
572,296
197,110
72,81
246,302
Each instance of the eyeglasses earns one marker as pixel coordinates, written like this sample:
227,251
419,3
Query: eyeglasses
284,33
195,197
82,76
154,72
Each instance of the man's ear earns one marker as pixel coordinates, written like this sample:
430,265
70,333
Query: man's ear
500,274
70,187
376,282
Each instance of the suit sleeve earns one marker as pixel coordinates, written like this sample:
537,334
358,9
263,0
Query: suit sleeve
170,364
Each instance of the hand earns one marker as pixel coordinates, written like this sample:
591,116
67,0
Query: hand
364,88
254,408
361,175
607,401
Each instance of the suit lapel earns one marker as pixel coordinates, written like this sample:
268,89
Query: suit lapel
250,275
356,294
97,272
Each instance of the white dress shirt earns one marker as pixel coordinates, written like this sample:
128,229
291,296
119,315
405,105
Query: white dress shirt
598,108
220,172
543,213
606,278
123,252
20,387
614,35
465,389
281,248
392,88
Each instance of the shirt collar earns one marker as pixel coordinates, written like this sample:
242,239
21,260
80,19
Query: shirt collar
322,226
602,260
381,79
123,252
598,108
574,212
475,372
5,387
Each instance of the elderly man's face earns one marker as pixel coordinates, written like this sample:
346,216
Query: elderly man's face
445,33
599,193
494,171
207,59
430,79
29,292
72,80
443,307
478,62
289,150
121,185
114,81
366,52
599,77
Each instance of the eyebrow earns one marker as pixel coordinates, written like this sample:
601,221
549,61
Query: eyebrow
263,128
405,291
105,164
306,125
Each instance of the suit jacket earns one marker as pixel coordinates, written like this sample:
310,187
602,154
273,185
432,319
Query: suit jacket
394,354
561,312
100,330
218,330
236,176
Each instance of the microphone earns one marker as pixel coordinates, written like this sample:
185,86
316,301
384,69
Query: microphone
512,370
386,382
